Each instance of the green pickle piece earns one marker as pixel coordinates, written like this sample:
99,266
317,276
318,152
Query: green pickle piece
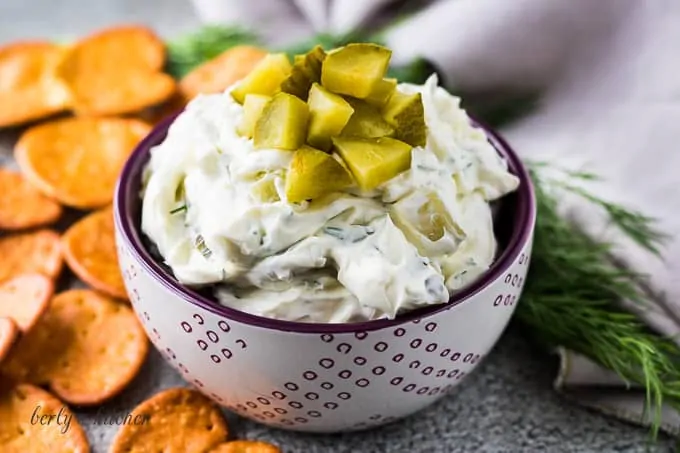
283,123
265,191
366,121
382,92
328,115
374,161
406,113
306,71
265,78
252,109
313,173
355,69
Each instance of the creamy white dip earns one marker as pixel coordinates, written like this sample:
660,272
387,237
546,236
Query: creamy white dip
348,257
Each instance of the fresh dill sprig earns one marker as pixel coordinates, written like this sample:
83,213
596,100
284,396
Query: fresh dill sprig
572,292
187,52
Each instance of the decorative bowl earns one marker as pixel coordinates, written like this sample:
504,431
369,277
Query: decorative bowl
323,377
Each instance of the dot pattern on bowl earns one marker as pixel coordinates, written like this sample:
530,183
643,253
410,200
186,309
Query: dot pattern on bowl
513,283
314,395
215,341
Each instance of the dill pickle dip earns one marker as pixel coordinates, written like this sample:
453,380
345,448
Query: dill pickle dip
310,224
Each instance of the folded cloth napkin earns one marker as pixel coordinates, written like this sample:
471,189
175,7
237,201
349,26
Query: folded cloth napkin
609,74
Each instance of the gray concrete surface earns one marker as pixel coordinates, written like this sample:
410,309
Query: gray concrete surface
506,406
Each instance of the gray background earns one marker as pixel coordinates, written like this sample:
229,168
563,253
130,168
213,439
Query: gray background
508,405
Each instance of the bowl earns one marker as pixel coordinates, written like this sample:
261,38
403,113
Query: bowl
322,377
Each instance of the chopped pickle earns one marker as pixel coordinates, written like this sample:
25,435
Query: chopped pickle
265,78
328,115
423,219
366,121
313,173
283,123
406,113
265,191
355,69
252,109
432,218
374,161
382,92
305,72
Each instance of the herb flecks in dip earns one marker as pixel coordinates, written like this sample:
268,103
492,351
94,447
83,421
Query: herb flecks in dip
316,191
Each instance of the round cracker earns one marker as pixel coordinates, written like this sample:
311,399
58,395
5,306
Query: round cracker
29,87
219,73
90,251
86,348
117,71
77,161
27,425
8,335
37,251
180,420
22,205
24,299
245,446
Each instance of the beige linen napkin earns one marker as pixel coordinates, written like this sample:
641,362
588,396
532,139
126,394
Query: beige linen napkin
609,71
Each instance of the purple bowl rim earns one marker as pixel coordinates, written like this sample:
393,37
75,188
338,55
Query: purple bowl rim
521,233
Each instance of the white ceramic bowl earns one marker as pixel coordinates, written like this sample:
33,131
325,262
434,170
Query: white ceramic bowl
322,377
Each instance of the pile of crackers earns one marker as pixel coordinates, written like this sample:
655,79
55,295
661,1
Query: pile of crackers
81,109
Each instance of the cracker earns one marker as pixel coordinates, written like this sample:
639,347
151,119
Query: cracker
37,251
24,299
90,251
86,348
245,446
9,331
180,420
29,87
23,206
218,74
37,422
77,161
116,71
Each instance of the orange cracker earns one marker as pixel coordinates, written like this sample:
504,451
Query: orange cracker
90,251
77,160
29,88
86,348
180,420
8,335
37,422
245,446
117,71
218,74
24,299
23,206
37,251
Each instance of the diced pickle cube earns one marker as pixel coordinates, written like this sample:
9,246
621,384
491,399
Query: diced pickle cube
382,92
355,69
328,115
313,173
252,109
374,161
366,121
265,78
406,113
306,71
265,191
283,123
